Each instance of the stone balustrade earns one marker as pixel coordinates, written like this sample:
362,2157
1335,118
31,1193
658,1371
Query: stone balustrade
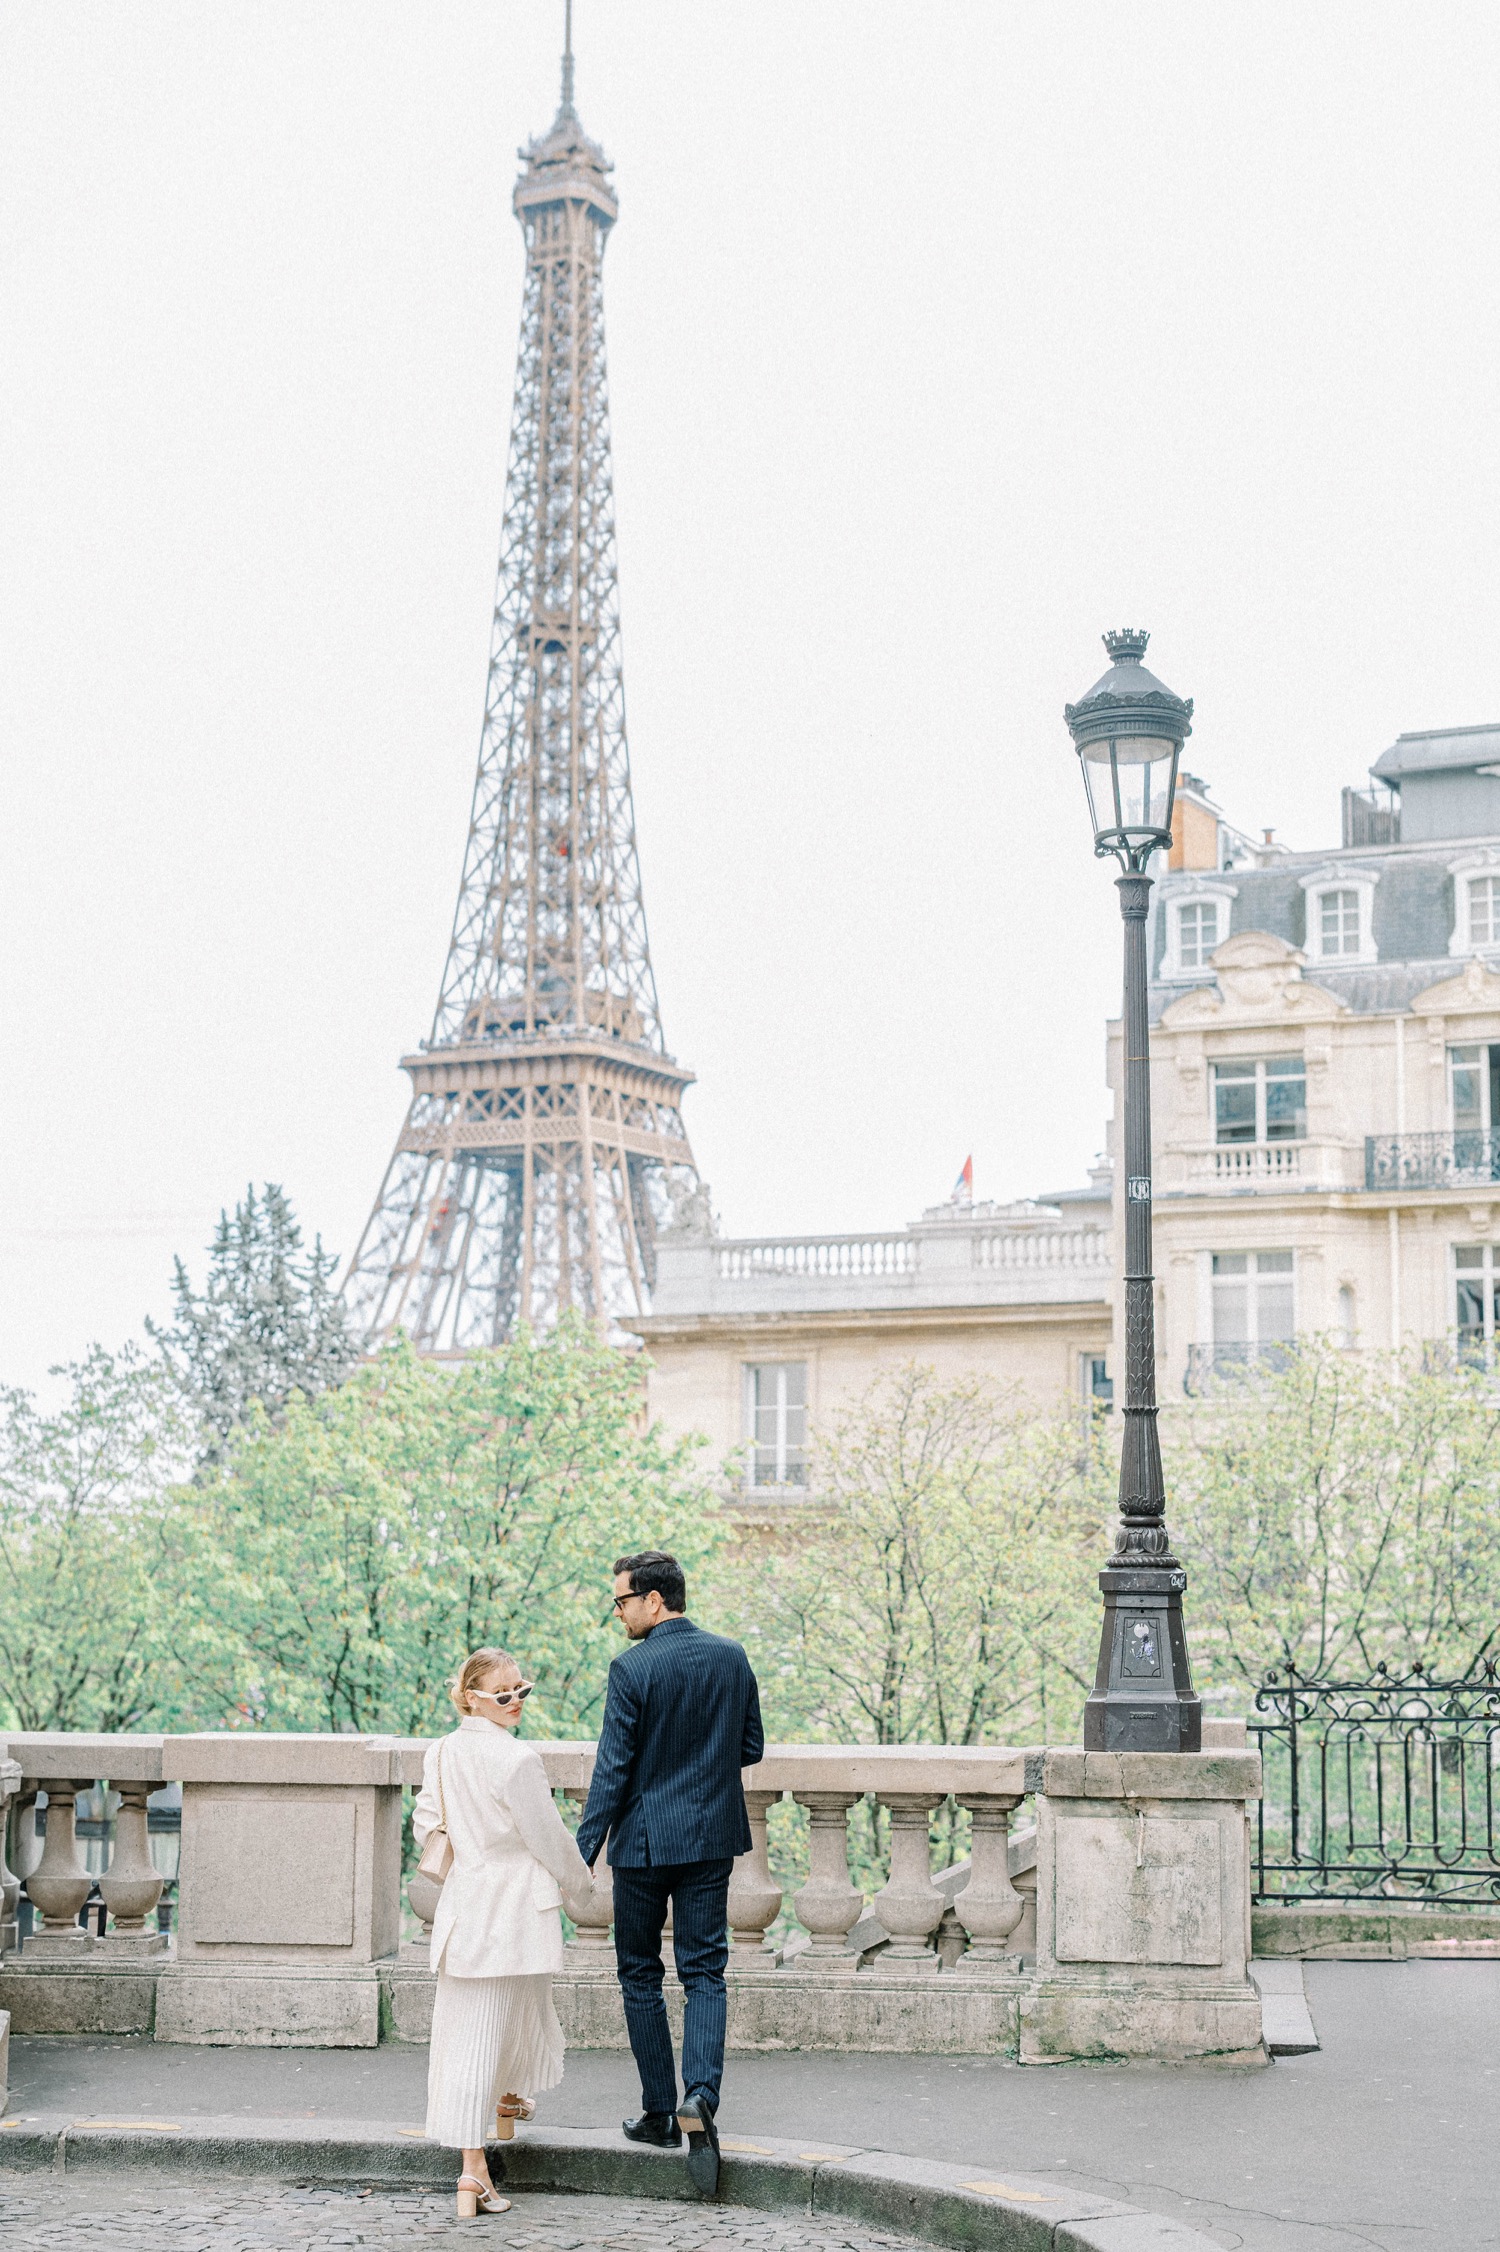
289,1912
955,1255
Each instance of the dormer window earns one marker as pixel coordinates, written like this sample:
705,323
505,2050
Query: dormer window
1338,923
1197,922
1197,932
1484,910
1340,915
1476,904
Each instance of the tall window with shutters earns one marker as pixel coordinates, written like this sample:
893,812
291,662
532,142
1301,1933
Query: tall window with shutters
1260,1099
1476,1277
1254,1309
776,1424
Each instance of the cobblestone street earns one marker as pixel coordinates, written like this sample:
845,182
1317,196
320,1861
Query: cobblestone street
144,2212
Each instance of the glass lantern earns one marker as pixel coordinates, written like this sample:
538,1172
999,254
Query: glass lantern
1129,731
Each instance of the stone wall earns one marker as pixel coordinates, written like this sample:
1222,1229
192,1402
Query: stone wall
1122,1905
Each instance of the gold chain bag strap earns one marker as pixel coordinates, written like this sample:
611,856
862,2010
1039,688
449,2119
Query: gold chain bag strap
437,1853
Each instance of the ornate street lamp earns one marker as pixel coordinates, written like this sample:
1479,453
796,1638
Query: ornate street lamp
1129,731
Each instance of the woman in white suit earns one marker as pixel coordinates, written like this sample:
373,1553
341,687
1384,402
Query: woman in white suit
497,1935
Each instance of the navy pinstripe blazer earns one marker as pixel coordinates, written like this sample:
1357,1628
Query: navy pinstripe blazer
681,1718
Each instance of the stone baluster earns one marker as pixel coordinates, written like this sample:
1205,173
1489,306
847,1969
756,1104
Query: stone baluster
10,1883
26,1843
909,1905
132,1884
423,1895
1023,1938
60,1884
590,1954
989,1906
828,1905
754,1894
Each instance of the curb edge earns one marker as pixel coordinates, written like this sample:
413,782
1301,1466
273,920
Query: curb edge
975,2206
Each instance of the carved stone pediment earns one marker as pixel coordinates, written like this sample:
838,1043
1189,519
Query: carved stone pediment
1475,988
1258,976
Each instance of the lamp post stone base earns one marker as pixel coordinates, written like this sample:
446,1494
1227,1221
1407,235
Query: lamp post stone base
1143,1699
1143,1908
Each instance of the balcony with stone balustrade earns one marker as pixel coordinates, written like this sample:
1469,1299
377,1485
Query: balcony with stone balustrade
1288,1168
1023,1254
288,1929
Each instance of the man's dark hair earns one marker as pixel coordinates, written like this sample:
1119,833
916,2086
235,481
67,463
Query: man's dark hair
653,1571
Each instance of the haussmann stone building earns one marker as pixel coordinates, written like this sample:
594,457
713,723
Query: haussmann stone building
1326,1106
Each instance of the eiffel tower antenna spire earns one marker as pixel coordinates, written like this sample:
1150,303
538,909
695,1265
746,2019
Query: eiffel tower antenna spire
544,1142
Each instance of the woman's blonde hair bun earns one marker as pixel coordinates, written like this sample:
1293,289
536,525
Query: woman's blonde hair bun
472,1672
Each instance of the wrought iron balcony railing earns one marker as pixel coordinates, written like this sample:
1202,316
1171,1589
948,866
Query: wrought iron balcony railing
1463,1159
1210,1367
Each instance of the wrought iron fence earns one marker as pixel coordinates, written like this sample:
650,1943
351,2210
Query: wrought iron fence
1382,1789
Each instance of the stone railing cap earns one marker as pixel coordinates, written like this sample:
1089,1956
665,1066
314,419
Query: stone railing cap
805,1767
569,1761
264,1756
71,1755
963,1768
1079,1774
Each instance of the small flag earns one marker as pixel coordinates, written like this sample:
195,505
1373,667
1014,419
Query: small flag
963,1187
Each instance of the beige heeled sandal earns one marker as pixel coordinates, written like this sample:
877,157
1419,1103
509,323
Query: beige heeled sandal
474,2197
508,2110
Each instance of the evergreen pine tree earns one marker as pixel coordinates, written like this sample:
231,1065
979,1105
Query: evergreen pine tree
267,1324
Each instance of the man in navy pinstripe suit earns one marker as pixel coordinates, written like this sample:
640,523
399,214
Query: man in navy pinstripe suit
681,1718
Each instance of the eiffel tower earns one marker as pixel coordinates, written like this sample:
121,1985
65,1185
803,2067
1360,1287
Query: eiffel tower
544,1142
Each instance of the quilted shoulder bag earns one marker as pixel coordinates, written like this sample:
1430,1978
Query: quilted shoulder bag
437,1853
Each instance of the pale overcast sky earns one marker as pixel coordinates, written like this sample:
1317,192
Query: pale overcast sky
942,336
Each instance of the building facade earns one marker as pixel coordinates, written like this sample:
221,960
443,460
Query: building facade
755,1341
1326,1105
1326,1073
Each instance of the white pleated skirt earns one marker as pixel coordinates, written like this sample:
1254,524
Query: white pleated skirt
491,2037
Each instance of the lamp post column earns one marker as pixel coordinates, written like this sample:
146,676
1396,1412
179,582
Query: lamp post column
1128,732
1143,1698
1143,1498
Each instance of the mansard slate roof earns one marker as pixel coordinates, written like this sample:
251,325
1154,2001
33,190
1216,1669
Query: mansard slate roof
1412,916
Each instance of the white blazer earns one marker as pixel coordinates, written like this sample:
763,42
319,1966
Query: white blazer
514,1858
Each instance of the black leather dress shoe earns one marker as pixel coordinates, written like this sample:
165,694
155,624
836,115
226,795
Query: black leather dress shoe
657,2127
697,2122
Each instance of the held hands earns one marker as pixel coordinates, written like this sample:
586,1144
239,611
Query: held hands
591,1904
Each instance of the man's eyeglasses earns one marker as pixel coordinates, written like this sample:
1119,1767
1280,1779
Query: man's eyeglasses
515,1696
630,1596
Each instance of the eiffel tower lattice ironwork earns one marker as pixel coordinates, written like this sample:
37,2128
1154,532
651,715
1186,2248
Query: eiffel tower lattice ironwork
544,1142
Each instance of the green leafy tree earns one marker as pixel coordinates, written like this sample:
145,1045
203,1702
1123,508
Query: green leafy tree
943,1591
267,1324
359,1547
90,1547
1338,1513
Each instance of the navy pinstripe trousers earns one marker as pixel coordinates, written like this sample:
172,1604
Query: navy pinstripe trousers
699,1893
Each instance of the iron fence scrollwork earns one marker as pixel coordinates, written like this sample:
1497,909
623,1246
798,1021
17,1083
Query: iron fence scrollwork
1380,1789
